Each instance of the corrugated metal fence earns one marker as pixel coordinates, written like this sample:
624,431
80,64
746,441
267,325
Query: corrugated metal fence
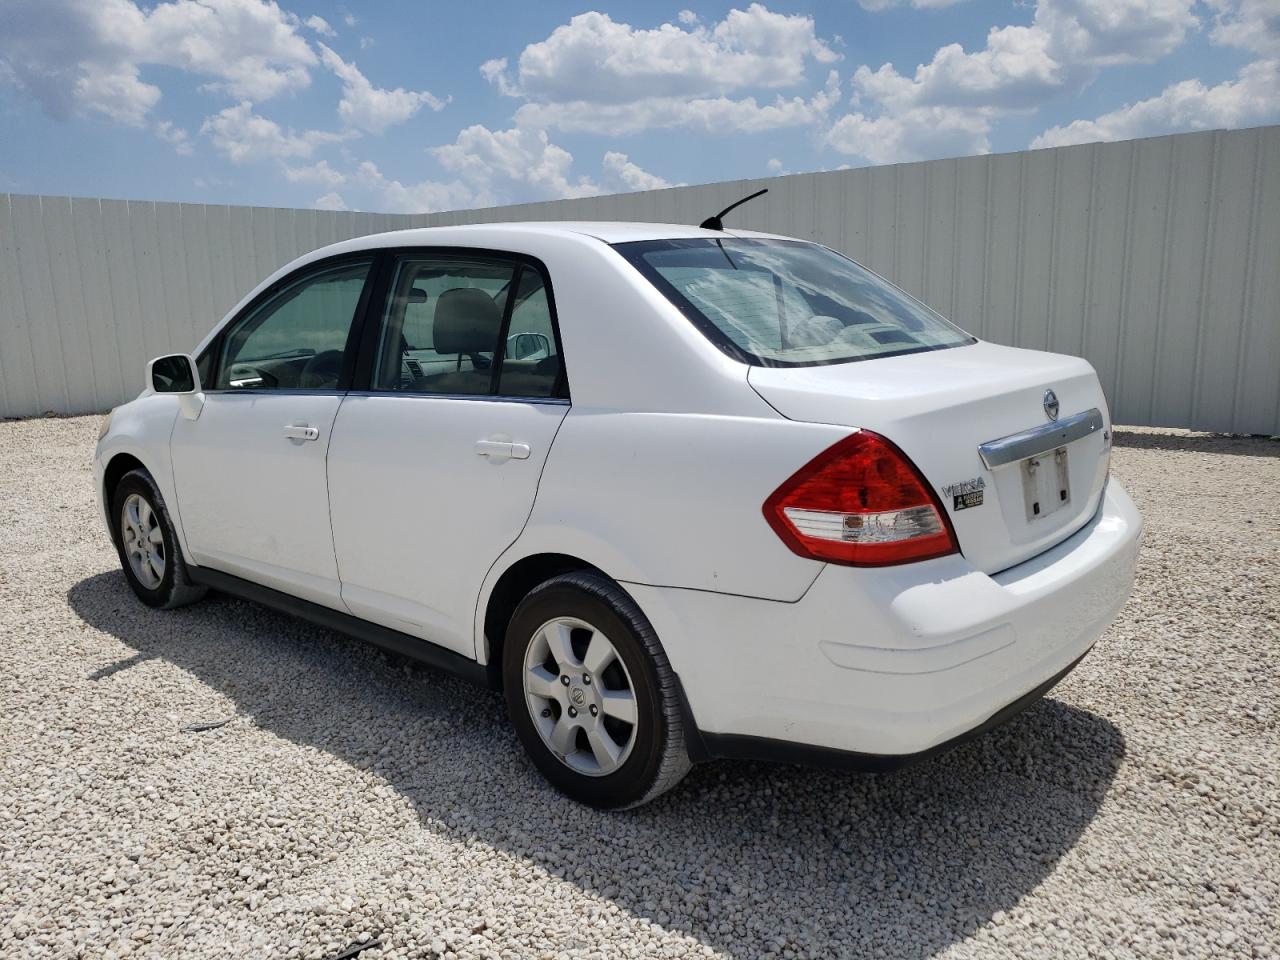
92,289
1158,260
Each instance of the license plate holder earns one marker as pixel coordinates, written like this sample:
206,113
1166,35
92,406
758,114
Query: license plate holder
1046,484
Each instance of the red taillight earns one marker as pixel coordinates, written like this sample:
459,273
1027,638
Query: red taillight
860,502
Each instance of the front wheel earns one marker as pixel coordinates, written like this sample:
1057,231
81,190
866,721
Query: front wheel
591,693
148,545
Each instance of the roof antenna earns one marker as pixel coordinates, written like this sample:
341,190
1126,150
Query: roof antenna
717,222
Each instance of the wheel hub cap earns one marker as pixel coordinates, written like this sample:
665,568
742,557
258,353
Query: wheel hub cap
580,696
143,541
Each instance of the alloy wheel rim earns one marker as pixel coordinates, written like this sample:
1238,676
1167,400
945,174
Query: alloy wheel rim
580,696
143,540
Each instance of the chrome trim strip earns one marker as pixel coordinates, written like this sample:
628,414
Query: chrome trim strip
483,397
490,397
1019,446
272,392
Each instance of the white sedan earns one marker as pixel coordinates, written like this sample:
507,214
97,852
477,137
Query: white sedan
680,493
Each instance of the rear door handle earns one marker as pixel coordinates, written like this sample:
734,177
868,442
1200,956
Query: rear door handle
502,449
302,431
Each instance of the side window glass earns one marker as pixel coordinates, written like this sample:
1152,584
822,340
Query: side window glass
204,367
531,359
297,339
442,324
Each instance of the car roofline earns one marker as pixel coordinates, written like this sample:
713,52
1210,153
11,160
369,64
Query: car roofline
486,235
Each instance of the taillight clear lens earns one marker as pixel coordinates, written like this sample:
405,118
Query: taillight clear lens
860,502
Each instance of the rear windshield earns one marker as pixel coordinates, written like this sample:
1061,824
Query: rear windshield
782,303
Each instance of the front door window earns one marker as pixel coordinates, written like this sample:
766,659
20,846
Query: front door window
297,339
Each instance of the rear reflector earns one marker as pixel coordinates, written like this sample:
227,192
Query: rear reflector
861,502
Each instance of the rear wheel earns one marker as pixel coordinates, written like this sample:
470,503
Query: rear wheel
148,546
591,693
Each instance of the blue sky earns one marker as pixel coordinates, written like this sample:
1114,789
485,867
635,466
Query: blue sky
416,106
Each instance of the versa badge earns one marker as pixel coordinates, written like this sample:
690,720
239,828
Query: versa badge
965,493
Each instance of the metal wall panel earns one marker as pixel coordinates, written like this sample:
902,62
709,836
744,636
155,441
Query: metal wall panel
1158,260
92,289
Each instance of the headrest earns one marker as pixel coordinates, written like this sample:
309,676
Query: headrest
466,321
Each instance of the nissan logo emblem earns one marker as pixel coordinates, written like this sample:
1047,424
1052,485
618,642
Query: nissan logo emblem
1051,405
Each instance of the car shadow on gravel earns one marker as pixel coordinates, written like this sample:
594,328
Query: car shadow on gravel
746,858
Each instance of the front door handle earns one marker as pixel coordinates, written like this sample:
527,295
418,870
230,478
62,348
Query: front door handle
302,431
502,449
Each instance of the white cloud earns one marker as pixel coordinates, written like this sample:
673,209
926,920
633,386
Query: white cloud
86,56
1249,99
175,136
1250,24
596,59
252,47
714,115
371,109
320,25
774,165
112,90
947,107
1014,70
921,133
320,173
619,169
331,201
875,6
244,136
425,197
495,71
1022,67
493,167
1097,33
595,75
496,161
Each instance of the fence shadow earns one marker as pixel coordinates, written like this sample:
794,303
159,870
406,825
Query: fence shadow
1220,443
919,859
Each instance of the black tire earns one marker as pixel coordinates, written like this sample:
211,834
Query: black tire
175,588
658,759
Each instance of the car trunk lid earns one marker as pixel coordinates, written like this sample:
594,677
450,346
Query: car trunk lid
940,407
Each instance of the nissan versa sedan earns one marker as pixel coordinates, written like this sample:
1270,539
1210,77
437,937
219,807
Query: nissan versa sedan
680,493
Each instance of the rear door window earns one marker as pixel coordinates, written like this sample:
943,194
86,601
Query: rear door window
531,364
442,324
468,326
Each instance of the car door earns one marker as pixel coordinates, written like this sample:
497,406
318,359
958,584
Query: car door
250,469
433,468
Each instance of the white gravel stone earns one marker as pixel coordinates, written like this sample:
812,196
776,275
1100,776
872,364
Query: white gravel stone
356,797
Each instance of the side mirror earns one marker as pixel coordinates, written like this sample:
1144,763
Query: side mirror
175,373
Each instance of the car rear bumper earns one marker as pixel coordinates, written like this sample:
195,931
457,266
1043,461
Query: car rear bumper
732,746
893,662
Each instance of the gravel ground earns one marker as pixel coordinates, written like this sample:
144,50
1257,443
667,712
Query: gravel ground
354,797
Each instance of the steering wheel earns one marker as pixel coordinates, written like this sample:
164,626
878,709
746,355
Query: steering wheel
322,371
